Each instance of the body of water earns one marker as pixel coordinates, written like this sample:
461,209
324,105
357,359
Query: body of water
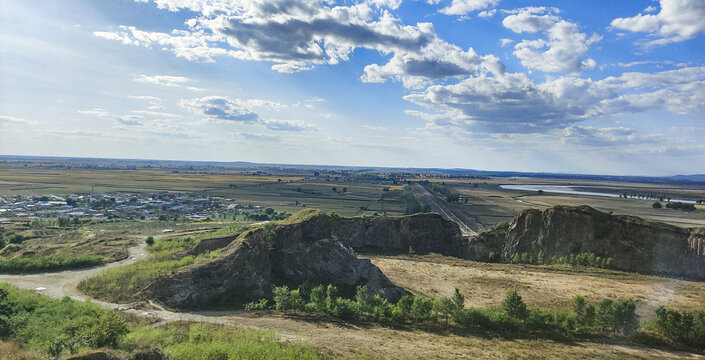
570,190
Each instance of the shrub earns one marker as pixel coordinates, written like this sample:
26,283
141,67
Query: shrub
514,305
685,328
346,309
149,241
421,309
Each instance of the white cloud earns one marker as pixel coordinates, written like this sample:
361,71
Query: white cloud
221,108
487,13
610,136
463,7
515,104
678,20
298,35
226,110
562,50
505,42
151,100
391,4
166,80
257,136
287,125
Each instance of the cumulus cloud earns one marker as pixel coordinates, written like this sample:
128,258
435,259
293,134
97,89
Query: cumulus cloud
487,13
678,20
463,7
223,109
562,50
297,35
436,61
513,103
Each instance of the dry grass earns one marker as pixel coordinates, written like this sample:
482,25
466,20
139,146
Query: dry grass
544,286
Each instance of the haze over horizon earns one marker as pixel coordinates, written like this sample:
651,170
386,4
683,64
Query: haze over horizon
597,87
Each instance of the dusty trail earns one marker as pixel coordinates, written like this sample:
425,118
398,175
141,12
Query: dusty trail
344,340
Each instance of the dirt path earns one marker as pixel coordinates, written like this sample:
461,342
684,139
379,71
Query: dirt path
442,207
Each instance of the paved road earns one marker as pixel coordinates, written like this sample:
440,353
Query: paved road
448,211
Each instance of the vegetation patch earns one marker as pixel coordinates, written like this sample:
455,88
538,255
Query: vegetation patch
512,319
205,342
414,205
34,264
35,324
122,283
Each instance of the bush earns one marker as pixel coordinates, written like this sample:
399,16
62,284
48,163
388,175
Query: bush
514,305
684,328
57,326
656,205
149,241
421,309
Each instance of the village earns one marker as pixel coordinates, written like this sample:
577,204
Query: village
129,206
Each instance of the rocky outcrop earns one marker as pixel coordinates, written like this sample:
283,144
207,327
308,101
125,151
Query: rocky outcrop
309,248
422,233
634,244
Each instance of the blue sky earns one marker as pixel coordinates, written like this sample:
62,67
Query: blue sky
607,87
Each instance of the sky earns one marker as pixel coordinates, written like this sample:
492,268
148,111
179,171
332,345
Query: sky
594,87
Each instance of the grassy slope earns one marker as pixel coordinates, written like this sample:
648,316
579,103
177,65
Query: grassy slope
121,283
38,323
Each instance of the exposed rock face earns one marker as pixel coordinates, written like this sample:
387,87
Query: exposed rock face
634,244
424,233
311,248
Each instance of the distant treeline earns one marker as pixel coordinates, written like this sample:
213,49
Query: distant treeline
440,189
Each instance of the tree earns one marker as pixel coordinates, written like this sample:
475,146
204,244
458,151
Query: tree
149,241
514,305
605,316
282,298
402,309
458,300
444,307
318,298
626,319
421,308
331,296
656,205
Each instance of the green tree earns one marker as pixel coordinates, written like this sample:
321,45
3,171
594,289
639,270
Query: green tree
514,305
421,308
331,297
282,298
445,308
458,300
402,309
318,298
605,315
149,241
